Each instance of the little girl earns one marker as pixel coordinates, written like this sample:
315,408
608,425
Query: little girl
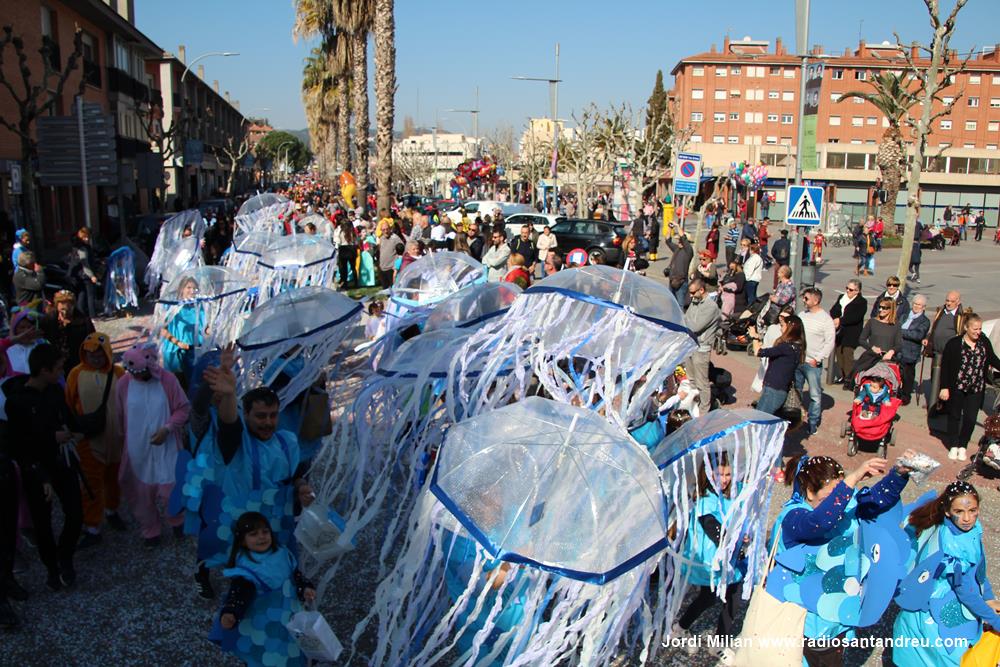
817,250
714,501
375,327
872,396
264,593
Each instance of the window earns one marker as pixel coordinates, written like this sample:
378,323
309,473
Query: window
872,120
857,121
947,100
993,126
856,142
755,94
733,140
946,125
834,140
944,144
860,75
735,115
885,122
968,145
91,62
735,71
775,70
771,140
856,160
787,96
720,71
697,116
718,139
834,120
836,160
991,147
696,138
858,100
734,93
759,72
975,79
870,141
786,119
970,125
838,74
50,37
772,118
720,94
697,71
789,73
773,94
786,140
834,97
996,79
719,117
973,101
697,94
995,102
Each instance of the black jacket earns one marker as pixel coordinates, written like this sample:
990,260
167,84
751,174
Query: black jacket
912,338
33,417
67,338
781,251
902,306
783,360
851,321
476,247
951,360
526,249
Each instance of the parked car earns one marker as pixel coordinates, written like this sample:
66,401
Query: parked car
486,207
599,238
537,222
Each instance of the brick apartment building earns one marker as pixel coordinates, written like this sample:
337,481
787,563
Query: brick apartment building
743,104
119,78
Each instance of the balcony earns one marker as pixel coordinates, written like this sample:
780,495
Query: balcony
120,82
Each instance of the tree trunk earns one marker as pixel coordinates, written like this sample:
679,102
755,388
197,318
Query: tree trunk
29,196
385,92
359,91
344,126
890,182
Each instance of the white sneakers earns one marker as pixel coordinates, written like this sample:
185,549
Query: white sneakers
961,453
957,453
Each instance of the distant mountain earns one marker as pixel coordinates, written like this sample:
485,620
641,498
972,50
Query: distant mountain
301,135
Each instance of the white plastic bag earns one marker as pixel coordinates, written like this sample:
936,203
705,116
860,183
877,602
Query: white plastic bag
320,534
314,636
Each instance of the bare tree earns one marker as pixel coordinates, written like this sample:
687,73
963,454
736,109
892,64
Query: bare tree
935,77
534,161
412,168
500,145
236,149
582,156
33,99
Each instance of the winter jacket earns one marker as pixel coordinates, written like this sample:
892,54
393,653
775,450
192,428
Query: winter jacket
852,319
909,353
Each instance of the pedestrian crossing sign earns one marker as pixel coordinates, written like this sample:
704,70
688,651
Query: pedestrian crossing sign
804,205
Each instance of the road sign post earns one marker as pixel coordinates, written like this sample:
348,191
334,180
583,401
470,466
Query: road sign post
803,205
687,176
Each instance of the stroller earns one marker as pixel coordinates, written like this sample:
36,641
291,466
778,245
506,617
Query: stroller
987,460
874,432
736,328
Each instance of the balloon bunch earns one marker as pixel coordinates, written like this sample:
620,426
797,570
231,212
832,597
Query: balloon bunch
750,176
474,172
348,188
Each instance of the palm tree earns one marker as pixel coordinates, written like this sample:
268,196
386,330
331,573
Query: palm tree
354,18
320,99
894,99
385,94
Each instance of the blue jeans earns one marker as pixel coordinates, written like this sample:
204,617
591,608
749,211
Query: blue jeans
813,375
750,291
771,400
681,293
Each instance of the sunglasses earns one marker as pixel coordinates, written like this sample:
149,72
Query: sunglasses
883,307
852,289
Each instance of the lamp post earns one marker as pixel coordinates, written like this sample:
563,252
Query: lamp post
277,151
802,44
475,120
554,108
223,54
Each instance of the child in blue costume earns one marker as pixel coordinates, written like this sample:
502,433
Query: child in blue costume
183,332
946,596
818,527
265,590
710,509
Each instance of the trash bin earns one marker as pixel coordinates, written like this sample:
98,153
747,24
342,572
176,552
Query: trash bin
808,278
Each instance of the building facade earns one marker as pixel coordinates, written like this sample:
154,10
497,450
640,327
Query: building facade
429,160
742,103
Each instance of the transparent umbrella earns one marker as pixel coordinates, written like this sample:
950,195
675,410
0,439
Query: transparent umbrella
472,306
261,201
214,295
291,262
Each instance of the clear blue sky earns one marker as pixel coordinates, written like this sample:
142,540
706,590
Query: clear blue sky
610,51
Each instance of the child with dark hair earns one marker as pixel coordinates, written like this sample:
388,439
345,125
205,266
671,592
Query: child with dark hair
265,590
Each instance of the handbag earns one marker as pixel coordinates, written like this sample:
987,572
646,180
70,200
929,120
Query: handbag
314,636
94,423
984,653
772,630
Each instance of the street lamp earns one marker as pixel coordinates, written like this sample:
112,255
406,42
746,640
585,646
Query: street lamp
277,151
554,108
224,54
475,120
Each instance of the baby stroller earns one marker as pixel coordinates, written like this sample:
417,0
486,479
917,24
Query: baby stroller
874,432
987,460
737,327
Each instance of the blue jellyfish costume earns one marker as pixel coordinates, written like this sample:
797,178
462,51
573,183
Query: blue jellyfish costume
120,290
294,262
261,637
944,560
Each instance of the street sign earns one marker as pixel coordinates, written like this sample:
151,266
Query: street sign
15,178
577,257
60,154
687,177
803,205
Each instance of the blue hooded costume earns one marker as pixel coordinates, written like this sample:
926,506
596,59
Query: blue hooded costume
943,598
186,326
700,547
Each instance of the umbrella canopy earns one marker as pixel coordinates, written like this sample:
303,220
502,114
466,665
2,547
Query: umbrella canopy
428,354
296,314
324,228
553,486
177,248
219,295
435,276
472,306
297,251
200,284
721,427
261,201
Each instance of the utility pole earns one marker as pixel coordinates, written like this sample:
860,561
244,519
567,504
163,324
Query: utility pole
802,45
554,115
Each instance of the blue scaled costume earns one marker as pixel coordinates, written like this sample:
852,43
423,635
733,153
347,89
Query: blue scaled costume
943,598
709,514
260,636
186,326
842,560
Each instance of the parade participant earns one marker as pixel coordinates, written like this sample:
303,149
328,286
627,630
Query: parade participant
713,502
25,335
963,382
946,597
820,336
913,330
783,357
67,327
948,322
848,319
819,241
41,428
183,332
89,388
496,256
152,411
703,319
265,589
892,292
826,506
880,339
366,263
29,281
